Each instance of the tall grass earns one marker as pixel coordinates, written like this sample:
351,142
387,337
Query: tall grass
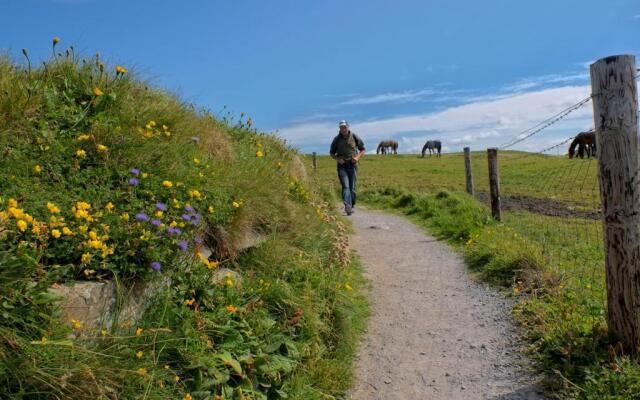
84,151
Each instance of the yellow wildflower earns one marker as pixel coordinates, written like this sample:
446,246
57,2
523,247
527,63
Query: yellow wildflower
194,194
103,332
22,225
53,209
232,309
37,169
196,161
152,123
36,228
142,371
210,209
109,206
55,233
76,324
81,205
159,214
139,331
259,153
176,378
139,354
348,287
83,228
83,137
144,175
124,216
12,203
235,204
67,232
89,272
93,235
120,70
101,148
85,258
189,302
97,91
81,153
187,397
167,184
56,40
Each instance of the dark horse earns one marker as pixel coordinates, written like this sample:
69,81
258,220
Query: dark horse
586,143
387,146
434,146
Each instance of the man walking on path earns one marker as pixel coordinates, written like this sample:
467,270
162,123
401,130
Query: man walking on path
346,149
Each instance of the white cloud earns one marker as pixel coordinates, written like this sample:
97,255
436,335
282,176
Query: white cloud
636,16
482,123
399,97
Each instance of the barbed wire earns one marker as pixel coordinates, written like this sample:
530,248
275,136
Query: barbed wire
539,127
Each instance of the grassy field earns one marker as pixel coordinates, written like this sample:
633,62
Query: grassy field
546,252
521,174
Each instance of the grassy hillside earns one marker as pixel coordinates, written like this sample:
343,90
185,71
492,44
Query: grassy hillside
547,252
104,177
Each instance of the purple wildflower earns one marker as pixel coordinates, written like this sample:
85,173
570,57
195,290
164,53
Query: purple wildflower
198,239
135,171
195,219
156,222
186,217
195,139
177,231
188,208
156,266
183,246
134,182
161,206
174,231
142,217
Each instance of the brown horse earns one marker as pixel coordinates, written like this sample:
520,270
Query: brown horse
387,146
586,143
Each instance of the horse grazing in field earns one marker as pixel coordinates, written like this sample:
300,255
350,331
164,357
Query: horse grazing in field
434,146
586,143
387,146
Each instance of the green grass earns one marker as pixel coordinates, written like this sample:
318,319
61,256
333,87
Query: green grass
521,174
553,266
73,135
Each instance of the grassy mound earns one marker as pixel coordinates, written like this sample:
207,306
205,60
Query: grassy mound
103,177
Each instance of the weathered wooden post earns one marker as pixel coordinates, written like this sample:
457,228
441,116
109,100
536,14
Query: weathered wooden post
467,170
315,161
615,114
494,183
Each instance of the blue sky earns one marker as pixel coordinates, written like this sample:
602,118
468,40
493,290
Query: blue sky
465,72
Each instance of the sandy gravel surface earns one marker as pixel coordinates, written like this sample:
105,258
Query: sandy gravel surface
434,332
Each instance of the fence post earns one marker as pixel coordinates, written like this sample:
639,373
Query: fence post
467,170
615,110
314,160
494,183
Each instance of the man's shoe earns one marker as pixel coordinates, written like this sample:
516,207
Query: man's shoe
348,210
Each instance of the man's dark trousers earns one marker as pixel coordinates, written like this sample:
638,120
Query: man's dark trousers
347,173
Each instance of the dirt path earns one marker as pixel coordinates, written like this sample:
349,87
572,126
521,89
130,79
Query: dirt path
434,333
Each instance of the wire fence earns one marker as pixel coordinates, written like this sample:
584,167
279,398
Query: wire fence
555,207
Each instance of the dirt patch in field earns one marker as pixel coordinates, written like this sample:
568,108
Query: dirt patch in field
553,208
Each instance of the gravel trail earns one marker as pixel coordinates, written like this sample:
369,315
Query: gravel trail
434,333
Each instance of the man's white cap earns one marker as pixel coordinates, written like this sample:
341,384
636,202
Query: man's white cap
343,123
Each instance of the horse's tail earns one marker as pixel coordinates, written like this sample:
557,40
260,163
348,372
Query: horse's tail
572,146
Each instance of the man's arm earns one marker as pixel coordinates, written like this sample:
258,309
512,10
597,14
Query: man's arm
332,151
361,150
